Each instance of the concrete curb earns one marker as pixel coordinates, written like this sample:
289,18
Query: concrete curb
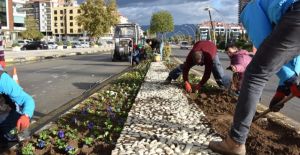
274,117
25,56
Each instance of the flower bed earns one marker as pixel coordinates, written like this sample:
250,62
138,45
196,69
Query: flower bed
95,125
265,137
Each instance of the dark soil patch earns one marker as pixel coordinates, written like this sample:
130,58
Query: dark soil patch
265,137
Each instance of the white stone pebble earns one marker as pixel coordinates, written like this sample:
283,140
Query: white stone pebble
162,121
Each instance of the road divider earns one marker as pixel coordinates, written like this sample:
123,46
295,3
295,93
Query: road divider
34,55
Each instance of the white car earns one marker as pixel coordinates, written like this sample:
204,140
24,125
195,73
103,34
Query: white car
52,45
85,45
185,45
23,42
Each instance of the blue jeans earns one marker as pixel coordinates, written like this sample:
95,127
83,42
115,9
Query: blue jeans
217,71
8,122
279,48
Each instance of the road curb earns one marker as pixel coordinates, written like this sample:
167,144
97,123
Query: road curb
56,54
278,118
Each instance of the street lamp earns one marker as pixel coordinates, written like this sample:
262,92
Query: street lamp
211,22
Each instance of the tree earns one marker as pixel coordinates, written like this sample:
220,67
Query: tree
161,22
31,31
98,16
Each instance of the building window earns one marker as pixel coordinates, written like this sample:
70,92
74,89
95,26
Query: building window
55,18
78,11
56,31
71,23
79,24
55,24
71,30
55,12
61,24
61,17
61,11
71,11
79,30
71,17
61,31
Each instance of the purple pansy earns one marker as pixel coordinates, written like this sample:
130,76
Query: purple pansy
69,148
90,125
61,134
41,144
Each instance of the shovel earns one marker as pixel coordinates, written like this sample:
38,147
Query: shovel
267,111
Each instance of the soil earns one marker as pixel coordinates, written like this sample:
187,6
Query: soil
265,137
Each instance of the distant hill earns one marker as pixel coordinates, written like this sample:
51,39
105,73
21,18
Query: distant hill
186,29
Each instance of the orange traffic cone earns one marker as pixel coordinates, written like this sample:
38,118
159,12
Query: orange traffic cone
15,76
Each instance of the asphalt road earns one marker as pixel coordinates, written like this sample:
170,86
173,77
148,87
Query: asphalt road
55,82
291,109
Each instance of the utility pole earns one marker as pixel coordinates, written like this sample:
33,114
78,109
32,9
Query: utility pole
212,25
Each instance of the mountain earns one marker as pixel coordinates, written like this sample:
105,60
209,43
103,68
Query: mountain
185,29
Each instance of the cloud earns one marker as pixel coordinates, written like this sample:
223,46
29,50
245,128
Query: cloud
183,11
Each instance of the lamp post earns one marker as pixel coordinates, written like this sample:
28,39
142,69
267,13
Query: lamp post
212,25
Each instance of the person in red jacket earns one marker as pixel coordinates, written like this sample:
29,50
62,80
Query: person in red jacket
202,53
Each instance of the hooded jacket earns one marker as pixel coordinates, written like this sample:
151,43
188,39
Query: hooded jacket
240,60
209,51
24,103
258,18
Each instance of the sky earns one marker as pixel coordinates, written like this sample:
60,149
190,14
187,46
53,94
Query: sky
183,11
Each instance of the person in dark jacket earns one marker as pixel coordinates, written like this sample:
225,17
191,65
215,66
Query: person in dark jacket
154,44
16,108
203,53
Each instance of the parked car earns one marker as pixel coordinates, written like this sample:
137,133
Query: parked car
85,44
23,42
35,45
76,44
52,45
185,45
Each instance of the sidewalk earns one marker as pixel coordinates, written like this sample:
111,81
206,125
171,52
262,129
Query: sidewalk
162,121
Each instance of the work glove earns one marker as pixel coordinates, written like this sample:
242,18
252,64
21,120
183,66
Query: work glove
188,87
276,99
23,123
295,89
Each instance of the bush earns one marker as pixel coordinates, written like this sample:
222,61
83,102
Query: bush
15,44
93,44
60,43
69,43
167,51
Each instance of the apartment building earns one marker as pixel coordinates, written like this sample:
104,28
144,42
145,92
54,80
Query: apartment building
12,19
64,21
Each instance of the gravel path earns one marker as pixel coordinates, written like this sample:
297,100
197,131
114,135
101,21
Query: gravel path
162,121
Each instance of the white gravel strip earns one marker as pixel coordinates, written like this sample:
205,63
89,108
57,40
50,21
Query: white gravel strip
162,121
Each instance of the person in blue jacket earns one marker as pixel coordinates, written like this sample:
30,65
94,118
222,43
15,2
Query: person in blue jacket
274,27
16,108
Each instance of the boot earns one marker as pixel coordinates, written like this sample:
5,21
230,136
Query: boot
228,147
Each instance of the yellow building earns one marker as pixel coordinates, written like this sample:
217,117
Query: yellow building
64,21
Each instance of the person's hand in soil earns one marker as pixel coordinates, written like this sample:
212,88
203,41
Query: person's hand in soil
188,87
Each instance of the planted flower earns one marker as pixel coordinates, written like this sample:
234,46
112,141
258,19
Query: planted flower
61,134
90,125
41,144
28,149
70,150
